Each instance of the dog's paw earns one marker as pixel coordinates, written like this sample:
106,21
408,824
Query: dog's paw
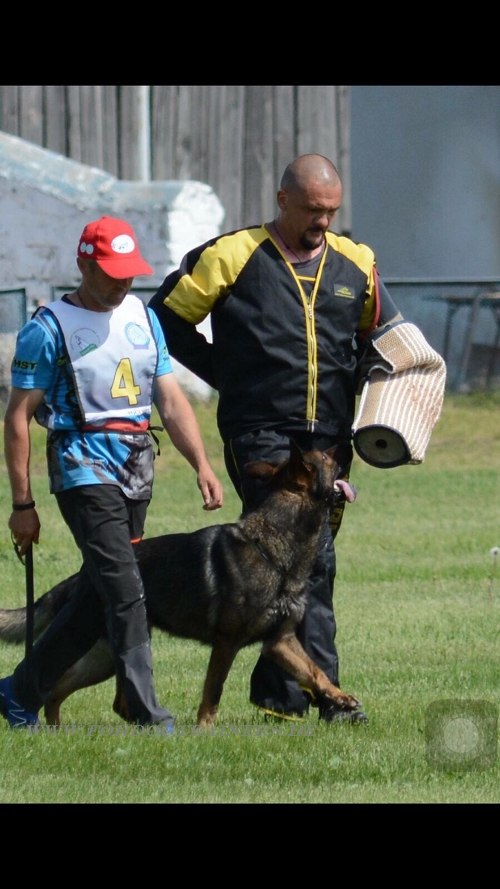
205,720
344,701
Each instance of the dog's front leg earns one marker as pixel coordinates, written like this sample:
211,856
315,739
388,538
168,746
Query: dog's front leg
223,654
289,654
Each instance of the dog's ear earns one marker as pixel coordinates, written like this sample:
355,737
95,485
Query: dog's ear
335,453
295,452
297,463
299,469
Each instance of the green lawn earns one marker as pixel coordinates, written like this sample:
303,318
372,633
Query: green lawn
417,605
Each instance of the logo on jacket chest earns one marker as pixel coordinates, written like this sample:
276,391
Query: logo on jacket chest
344,291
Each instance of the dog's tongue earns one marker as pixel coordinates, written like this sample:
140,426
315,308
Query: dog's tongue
348,491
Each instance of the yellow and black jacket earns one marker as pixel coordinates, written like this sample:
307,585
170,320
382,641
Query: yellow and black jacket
284,343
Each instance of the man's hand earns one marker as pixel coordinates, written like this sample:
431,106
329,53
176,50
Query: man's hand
25,529
180,421
211,489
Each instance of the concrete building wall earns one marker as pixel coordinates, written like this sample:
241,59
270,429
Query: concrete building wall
45,201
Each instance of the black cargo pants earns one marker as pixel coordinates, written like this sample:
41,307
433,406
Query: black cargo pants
108,601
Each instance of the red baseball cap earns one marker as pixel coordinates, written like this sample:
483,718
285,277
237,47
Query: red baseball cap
113,245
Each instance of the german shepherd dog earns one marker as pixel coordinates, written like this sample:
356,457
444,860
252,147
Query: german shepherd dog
226,585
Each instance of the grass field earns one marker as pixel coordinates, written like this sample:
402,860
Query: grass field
417,604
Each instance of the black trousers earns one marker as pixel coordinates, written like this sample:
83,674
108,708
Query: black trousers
109,601
271,687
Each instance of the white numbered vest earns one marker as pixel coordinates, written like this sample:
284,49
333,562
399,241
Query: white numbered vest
113,357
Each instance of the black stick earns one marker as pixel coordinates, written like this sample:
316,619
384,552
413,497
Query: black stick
30,601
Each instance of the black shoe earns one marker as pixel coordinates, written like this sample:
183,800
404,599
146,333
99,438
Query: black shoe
332,713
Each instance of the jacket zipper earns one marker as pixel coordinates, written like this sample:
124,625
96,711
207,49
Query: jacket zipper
312,351
312,348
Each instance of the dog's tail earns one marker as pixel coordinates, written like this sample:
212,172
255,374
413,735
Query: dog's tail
13,620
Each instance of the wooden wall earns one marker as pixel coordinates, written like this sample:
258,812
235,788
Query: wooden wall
238,139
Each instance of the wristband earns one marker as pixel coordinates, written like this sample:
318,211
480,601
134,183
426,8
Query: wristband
19,507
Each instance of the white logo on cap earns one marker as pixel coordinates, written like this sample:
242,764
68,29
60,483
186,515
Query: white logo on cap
122,244
86,248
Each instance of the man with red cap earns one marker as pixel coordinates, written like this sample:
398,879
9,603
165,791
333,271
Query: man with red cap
89,367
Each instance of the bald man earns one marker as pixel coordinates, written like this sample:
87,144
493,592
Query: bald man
290,304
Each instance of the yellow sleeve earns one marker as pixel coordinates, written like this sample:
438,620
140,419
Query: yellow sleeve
364,258
213,273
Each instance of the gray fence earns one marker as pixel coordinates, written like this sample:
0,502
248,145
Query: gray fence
238,139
